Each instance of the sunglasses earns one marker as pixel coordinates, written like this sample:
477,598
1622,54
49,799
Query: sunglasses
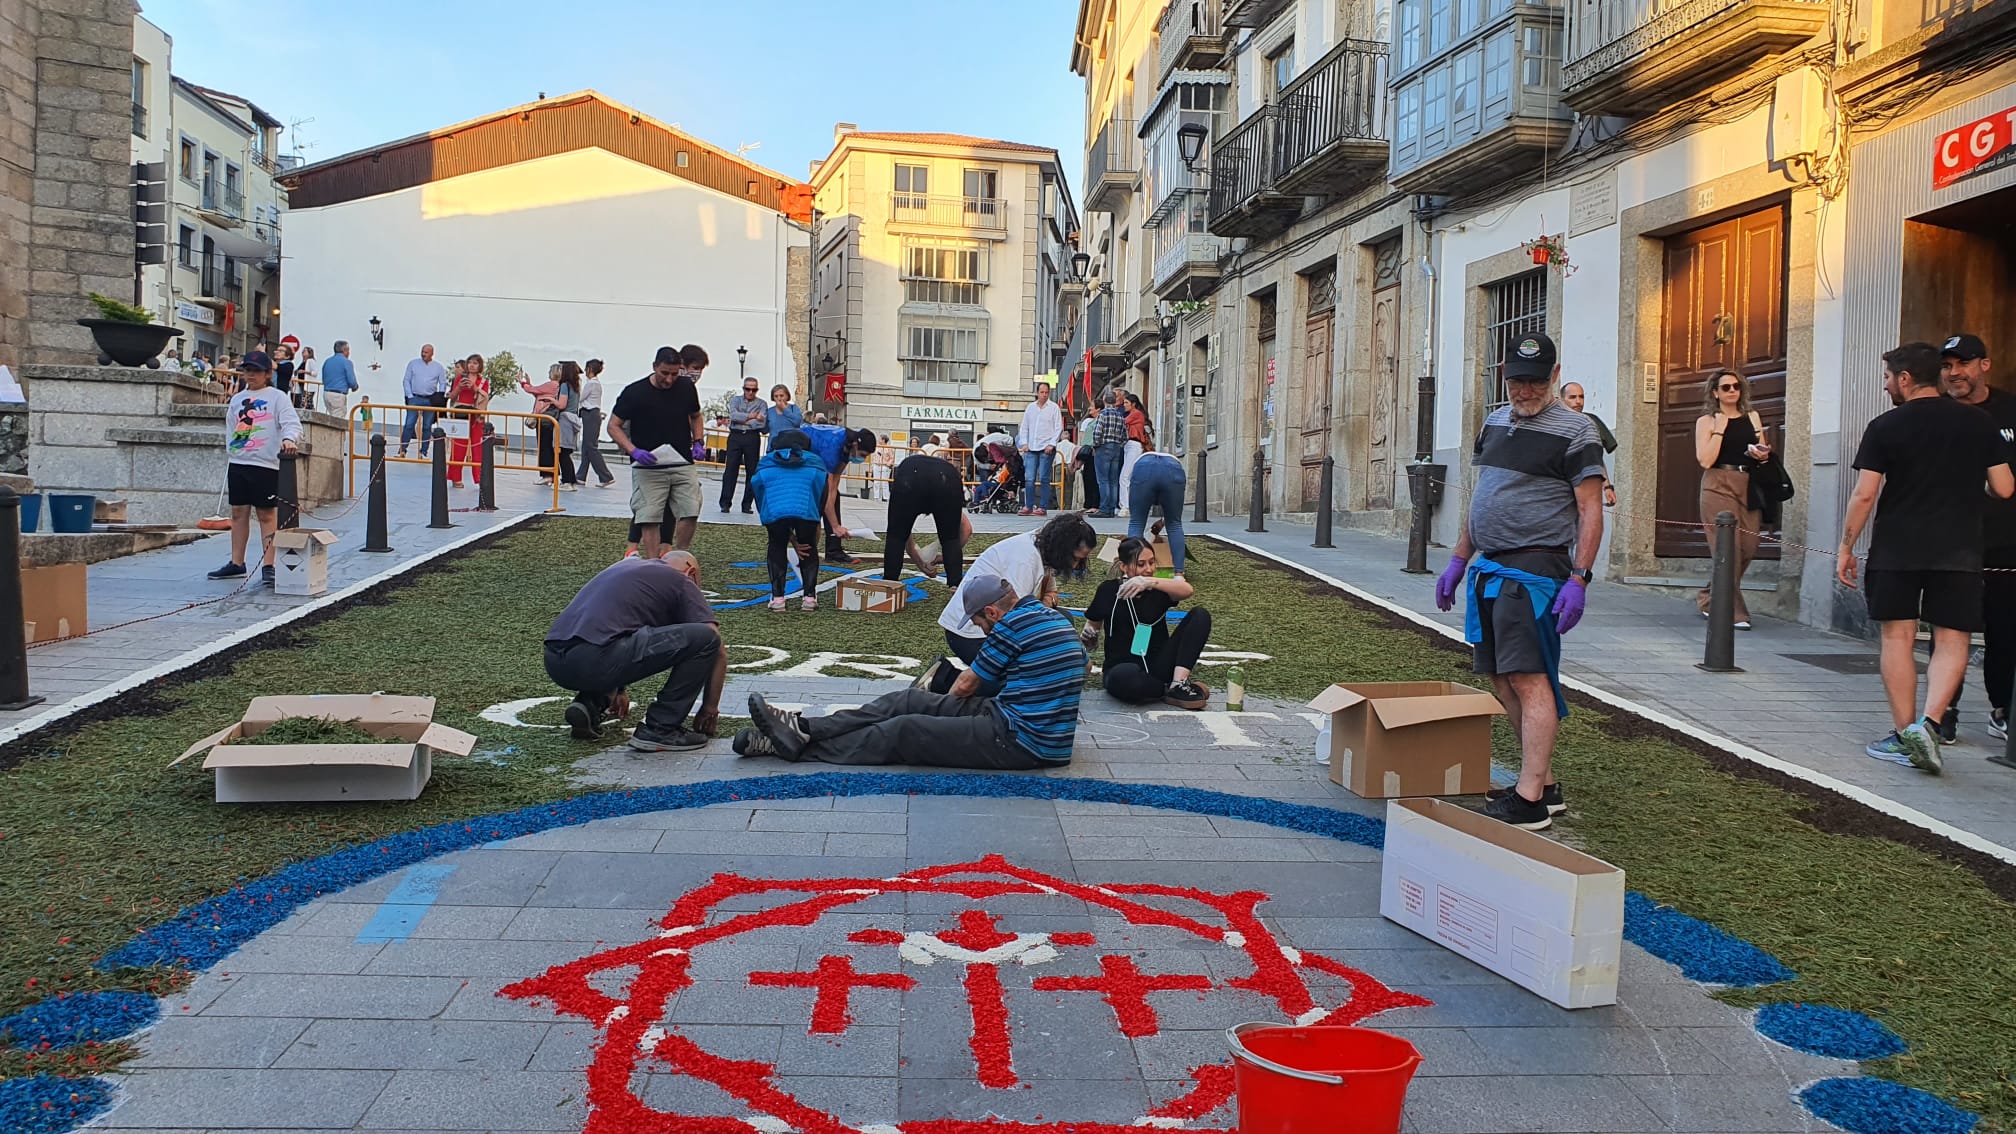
1726,386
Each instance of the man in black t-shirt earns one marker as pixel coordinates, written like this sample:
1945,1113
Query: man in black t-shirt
1921,468
661,412
1965,374
638,618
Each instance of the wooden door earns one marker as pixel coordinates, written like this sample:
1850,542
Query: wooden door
1313,418
1724,300
1385,419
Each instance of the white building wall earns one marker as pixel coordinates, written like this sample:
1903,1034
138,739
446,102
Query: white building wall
579,255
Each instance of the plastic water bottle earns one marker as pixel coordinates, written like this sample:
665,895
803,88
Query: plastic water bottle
1235,689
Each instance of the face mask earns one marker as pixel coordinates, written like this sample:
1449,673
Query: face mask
857,460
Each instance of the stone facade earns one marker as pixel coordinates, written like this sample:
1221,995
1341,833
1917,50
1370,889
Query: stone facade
19,21
797,303
13,437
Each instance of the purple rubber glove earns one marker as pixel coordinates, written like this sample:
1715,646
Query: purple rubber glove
1452,577
642,457
1568,604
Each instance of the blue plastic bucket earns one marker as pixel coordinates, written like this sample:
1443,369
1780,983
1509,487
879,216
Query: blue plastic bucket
31,512
71,512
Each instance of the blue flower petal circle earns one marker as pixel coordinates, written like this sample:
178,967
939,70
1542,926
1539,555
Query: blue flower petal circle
1878,1106
1833,1032
51,1104
79,1017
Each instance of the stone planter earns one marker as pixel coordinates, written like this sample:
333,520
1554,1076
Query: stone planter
129,344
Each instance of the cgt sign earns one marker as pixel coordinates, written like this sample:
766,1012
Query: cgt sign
1979,147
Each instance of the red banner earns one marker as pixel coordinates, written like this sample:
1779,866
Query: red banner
1974,149
836,387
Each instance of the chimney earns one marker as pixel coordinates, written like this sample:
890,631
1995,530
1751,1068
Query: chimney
841,130
816,163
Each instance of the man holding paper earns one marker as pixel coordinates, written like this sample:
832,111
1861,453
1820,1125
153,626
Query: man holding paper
655,420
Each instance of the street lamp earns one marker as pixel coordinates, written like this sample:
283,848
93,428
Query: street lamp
1190,142
377,332
741,362
1081,263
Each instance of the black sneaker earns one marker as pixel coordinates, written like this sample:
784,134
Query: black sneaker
750,742
1516,810
584,720
645,739
1949,725
229,571
266,575
1998,723
1191,695
786,730
1550,797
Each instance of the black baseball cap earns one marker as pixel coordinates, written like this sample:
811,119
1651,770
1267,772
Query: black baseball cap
1530,356
1966,348
259,360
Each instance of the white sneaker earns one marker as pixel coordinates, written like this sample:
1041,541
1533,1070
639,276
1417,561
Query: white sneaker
1922,746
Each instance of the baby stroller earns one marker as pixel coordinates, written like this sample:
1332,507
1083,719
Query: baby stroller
998,468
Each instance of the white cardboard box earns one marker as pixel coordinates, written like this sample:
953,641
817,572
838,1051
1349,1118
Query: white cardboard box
301,559
1544,916
275,773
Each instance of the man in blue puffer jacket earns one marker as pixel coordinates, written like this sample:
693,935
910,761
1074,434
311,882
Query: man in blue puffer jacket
789,484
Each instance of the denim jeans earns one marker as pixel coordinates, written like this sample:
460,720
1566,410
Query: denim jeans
1036,490
424,421
1159,481
1107,459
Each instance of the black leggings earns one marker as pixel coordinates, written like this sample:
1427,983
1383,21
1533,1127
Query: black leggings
1137,684
924,486
784,533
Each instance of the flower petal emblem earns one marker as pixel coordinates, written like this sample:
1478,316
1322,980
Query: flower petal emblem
626,992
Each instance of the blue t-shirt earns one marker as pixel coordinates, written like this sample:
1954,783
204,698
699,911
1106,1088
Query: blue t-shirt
790,417
1034,660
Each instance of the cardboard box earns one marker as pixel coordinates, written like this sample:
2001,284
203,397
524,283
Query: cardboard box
872,596
54,600
1542,915
301,559
1165,559
276,773
1387,739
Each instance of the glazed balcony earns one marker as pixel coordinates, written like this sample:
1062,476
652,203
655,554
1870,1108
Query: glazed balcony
1112,166
1635,56
1486,107
1192,37
1186,263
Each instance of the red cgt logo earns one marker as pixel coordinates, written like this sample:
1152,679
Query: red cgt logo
1974,149
995,971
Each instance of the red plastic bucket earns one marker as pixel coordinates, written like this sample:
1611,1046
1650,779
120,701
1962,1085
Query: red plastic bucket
1319,1080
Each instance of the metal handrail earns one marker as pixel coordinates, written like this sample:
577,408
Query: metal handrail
1247,160
952,212
1342,97
520,432
1115,149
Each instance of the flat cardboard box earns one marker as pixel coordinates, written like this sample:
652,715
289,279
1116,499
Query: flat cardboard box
1165,560
1389,739
54,601
301,559
1544,916
872,596
286,773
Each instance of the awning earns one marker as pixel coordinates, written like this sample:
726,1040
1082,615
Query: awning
241,246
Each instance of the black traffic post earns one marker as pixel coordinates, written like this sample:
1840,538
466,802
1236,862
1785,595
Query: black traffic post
290,491
1720,656
440,517
375,538
1202,513
1424,488
486,476
1257,520
1323,499
2008,757
13,622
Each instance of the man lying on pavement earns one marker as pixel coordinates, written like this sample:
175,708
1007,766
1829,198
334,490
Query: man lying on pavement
1015,708
637,618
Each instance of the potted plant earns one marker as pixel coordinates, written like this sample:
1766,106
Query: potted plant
126,334
503,372
1549,251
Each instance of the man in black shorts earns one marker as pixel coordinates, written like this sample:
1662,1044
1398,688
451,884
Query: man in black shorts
1921,466
1964,372
1536,520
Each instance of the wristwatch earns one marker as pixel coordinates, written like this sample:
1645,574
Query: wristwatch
1587,575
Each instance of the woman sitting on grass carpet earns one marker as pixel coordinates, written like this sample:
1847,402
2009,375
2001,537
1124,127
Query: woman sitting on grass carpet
1144,661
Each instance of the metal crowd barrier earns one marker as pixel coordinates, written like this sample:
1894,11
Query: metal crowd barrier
517,435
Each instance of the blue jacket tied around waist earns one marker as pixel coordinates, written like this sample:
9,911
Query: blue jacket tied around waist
789,484
1487,579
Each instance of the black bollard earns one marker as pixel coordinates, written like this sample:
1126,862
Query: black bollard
1323,499
290,491
1257,521
1720,656
375,538
440,517
1202,513
1421,495
13,621
486,477
2008,757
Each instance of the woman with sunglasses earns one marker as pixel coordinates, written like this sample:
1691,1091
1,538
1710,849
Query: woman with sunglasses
1729,444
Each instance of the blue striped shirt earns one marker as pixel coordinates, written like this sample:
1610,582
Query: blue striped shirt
1032,656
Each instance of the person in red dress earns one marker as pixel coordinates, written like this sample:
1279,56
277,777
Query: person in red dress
470,394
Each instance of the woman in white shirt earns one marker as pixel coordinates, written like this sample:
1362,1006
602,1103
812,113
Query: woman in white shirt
1028,562
591,426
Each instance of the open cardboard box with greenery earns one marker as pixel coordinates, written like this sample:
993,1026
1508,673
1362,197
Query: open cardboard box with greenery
396,768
